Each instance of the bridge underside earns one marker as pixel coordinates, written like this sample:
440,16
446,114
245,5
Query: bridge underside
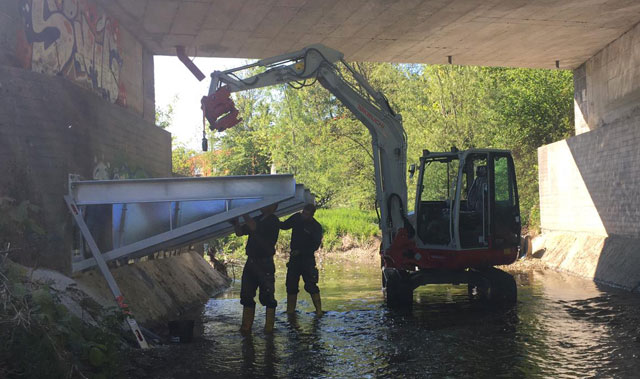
489,33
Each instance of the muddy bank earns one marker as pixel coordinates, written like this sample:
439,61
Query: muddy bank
71,327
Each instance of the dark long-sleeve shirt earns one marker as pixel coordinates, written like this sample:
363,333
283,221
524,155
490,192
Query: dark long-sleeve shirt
306,236
262,241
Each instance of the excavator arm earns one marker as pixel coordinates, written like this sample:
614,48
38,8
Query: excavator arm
388,138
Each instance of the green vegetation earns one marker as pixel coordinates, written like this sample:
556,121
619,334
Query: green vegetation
21,233
309,133
41,339
338,223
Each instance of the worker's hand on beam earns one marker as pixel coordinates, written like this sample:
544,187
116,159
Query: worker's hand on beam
251,224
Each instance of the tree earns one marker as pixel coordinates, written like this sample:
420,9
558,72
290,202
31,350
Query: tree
309,133
164,116
247,145
182,162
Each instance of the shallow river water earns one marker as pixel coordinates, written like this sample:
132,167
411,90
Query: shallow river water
561,327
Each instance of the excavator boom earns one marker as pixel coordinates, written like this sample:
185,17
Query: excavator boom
458,239
388,138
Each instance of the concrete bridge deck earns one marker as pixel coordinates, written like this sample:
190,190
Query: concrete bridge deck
487,33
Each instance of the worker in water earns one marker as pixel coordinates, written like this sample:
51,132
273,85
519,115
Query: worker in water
259,270
306,238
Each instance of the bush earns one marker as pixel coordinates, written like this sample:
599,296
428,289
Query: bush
41,339
18,221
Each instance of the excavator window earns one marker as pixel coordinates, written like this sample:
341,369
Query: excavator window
474,202
438,190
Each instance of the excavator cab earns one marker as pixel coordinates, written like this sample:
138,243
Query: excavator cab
467,220
467,200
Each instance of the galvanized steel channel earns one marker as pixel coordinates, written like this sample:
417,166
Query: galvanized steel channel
144,216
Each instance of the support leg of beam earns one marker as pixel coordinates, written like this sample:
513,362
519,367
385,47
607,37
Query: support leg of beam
102,265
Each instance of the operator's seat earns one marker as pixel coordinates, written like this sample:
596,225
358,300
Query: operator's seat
478,190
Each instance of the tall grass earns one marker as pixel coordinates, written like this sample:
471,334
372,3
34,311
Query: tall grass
339,222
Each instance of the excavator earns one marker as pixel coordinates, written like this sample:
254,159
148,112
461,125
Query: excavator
466,218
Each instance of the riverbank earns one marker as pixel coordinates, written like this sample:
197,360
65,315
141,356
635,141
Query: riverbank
52,325
51,329
354,250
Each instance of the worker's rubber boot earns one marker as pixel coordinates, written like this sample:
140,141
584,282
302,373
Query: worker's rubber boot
247,320
317,303
270,319
291,303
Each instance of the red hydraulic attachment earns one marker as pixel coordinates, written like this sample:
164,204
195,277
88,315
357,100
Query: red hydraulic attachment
219,109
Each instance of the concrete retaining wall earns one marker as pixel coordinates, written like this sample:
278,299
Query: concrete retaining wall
607,86
50,128
590,183
612,260
77,97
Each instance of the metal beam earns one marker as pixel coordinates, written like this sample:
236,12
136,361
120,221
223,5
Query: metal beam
179,189
222,229
179,236
197,209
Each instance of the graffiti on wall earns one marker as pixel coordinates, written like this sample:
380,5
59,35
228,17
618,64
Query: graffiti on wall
116,170
74,39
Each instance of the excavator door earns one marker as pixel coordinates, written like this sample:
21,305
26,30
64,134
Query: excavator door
489,215
505,208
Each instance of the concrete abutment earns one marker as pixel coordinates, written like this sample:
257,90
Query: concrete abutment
590,183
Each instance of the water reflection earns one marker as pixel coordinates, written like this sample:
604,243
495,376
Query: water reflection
561,327
267,355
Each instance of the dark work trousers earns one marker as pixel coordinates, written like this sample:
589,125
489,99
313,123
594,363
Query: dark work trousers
305,267
258,273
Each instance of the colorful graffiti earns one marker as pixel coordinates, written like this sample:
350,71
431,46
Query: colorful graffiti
74,39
